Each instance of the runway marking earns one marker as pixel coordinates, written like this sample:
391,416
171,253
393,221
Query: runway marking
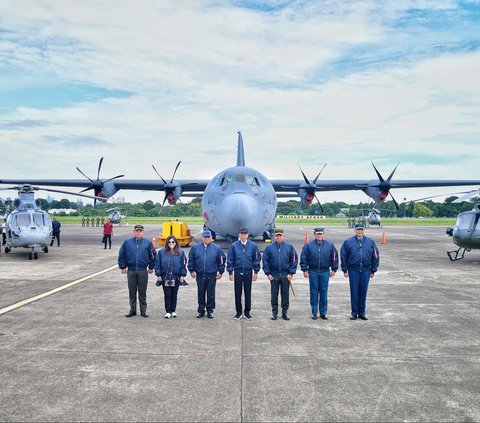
54,291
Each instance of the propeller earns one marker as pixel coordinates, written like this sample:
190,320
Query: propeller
385,185
97,184
311,187
169,187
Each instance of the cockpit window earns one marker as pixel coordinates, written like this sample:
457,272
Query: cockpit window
465,221
39,219
22,219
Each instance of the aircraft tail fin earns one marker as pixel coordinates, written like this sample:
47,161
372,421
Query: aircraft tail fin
240,152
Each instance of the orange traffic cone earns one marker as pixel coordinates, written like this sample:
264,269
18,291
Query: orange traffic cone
384,238
154,241
306,237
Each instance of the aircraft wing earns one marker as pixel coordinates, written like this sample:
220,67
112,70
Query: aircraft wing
106,188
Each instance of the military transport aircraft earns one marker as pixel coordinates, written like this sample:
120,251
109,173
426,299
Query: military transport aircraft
241,196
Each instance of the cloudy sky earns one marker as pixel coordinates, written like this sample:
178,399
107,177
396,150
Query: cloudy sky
153,82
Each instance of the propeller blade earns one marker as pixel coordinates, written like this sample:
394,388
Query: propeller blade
164,199
315,180
115,177
304,177
85,175
393,171
175,171
378,173
164,181
99,167
320,204
394,202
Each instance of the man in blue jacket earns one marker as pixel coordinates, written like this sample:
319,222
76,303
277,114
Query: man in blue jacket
55,232
360,260
135,256
319,262
243,265
206,263
280,261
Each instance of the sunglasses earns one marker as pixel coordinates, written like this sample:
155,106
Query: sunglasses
171,242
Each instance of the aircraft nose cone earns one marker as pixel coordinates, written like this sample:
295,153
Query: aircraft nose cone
240,210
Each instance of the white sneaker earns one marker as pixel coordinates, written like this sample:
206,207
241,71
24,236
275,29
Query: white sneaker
167,316
174,314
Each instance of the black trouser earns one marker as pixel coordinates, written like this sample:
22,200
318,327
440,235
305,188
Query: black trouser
280,283
109,239
206,287
137,281
55,234
171,293
243,281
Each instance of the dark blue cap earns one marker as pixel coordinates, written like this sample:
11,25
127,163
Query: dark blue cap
207,233
359,226
243,229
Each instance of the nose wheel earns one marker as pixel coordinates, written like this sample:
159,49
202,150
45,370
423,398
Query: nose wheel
33,255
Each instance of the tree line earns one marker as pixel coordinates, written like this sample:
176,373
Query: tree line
148,208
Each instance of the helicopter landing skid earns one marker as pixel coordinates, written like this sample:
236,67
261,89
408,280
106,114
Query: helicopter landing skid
458,256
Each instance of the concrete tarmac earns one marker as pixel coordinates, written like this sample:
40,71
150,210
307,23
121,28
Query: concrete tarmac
73,356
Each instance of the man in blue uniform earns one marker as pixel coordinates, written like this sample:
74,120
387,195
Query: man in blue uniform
243,265
360,260
280,261
206,263
55,232
319,262
135,256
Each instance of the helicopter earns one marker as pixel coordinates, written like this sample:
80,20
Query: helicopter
115,216
28,226
465,233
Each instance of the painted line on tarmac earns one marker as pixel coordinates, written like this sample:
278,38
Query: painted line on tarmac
54,291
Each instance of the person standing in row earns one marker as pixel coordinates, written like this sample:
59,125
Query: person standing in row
280,261
136,259
360,260
319,262
171,269
206,264
107,233
243,265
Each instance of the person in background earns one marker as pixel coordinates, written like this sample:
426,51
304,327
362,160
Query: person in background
107,233
55,231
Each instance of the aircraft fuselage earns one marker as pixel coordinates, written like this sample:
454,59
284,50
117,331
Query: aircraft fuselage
239,196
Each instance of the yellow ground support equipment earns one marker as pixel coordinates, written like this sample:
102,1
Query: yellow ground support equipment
179,230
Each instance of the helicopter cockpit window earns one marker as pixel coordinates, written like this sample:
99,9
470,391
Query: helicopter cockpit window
465,221
39,219
22,219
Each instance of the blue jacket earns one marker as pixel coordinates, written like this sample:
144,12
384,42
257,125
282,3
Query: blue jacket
170,264
206,259
361,255
280,259
243,258
56,226
136,256
319,257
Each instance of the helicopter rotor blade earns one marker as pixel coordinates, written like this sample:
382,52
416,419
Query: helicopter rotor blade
93,197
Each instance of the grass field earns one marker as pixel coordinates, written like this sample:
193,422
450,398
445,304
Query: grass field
330,221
